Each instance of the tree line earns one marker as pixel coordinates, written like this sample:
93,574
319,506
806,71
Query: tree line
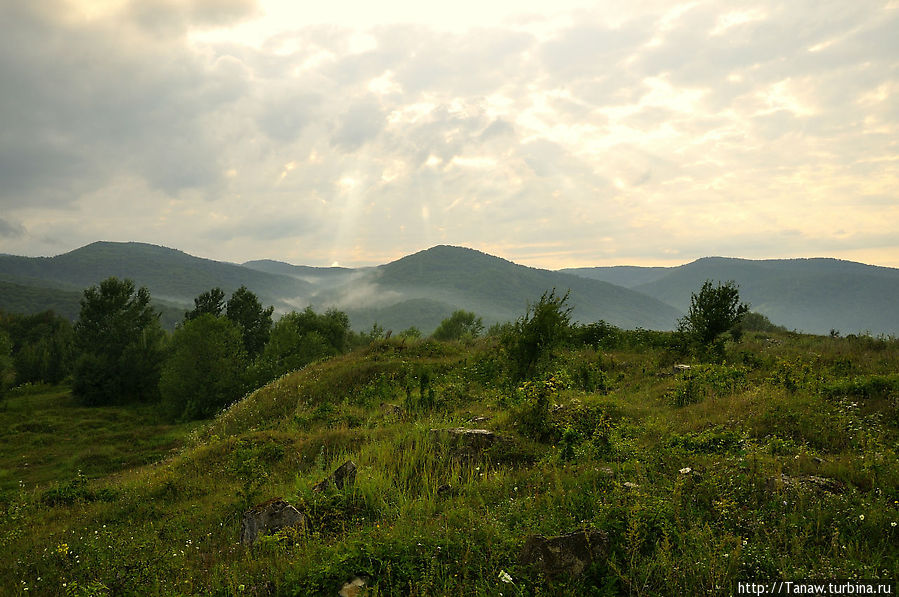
117,352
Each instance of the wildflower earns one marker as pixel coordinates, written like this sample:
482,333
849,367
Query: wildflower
892,524
686,470
504,576
861,516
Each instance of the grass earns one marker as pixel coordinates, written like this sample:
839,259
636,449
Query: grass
601,439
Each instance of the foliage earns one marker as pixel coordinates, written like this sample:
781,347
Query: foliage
298,339
211,302
543,327
7,372
204,371
757,322
714,311
254,322
458,326
119,340
787,468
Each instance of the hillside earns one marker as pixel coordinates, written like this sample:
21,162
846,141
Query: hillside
672,483
168,274
500,290
811,295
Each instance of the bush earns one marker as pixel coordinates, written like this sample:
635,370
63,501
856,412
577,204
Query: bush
714,311
205,369
458,326
543,327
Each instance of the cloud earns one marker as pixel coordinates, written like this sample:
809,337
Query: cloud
11,229
621,130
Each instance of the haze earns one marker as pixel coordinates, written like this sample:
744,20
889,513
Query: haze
355,133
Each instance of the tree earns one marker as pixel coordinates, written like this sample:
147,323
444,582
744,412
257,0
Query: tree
211,301
205,368
461,324
254,322
119,340
543,327
297,339
714,311
6,363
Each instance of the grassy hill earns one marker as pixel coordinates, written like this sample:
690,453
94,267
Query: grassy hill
812,295
781,464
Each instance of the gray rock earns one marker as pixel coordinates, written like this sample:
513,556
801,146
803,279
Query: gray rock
343,476
473,439
821,484
353,588
565,554
268,518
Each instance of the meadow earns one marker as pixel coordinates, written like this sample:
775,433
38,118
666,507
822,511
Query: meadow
775,460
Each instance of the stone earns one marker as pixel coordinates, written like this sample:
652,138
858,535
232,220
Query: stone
630,485
268,518
474,439
352,588
813,482
680,368
343,476
566,554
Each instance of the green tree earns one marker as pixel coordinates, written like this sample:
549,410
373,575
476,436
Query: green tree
254,322
297,339
42,346
461,324
543,327
7,372
119,340
205,368
211,301
714,311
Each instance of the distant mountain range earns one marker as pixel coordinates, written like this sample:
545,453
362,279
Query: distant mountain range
814,295
810,295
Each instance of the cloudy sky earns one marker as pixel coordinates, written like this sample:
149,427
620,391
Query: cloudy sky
555,134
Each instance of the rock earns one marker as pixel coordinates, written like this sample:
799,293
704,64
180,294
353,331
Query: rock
473,439
343,476
680,368
478,420
268,518
824,484
607,471
392,409
352,588
566,554
630,485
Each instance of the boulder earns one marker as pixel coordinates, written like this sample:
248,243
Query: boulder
352,588
343,476
268,518
813,482
472,439
566,554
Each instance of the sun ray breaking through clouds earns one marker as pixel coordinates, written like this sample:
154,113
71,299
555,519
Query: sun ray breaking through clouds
354,133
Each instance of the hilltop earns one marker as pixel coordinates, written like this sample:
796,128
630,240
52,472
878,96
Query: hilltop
781,463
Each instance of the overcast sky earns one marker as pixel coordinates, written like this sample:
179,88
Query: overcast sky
555,134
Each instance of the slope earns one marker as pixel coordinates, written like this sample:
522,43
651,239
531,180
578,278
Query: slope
811,295
500,290
168,274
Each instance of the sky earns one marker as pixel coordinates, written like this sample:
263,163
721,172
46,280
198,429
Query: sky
554,134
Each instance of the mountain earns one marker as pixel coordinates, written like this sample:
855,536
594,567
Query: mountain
620,275
810,295
169,274
499,290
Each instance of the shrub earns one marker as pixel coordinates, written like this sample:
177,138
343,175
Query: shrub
543,327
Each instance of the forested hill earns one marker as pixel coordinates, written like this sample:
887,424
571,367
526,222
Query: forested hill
810,295
499,289
168,274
